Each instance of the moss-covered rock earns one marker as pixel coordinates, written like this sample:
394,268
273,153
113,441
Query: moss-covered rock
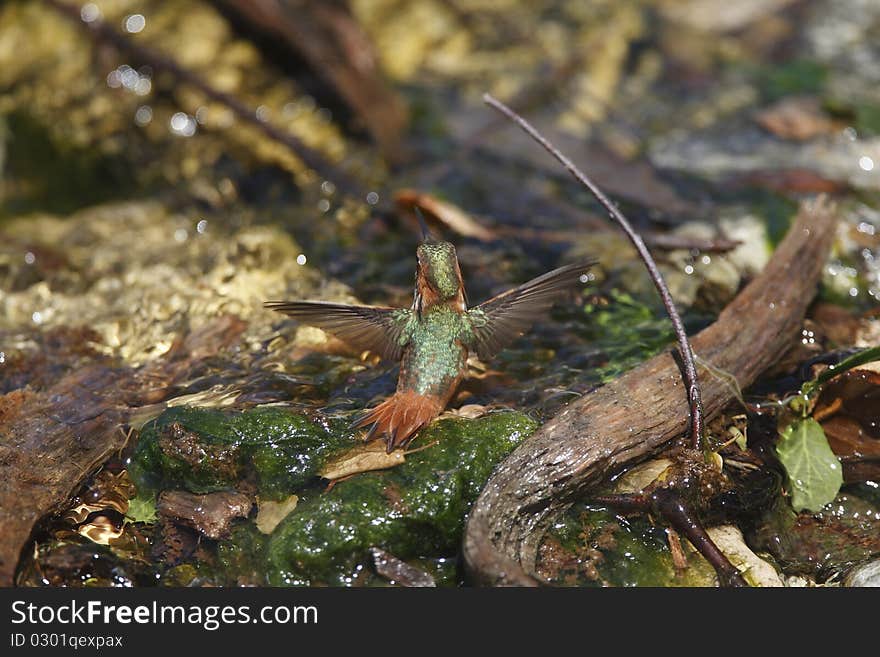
591,546
417,509
205,450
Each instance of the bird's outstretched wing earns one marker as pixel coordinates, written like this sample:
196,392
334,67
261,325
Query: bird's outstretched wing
376,328
500,320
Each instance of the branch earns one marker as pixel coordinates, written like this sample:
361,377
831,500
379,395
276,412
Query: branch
689,368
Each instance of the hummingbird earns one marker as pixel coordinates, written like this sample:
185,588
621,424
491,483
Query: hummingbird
433,338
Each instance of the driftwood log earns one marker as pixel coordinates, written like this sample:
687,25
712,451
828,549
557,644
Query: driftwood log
642,412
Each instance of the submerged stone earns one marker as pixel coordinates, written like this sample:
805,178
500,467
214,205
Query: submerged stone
821,544
414,510
206,450
865,575
77,562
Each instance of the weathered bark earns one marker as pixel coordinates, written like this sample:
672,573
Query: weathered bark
51,440
640,413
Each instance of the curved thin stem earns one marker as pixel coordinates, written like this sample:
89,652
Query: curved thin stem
689,368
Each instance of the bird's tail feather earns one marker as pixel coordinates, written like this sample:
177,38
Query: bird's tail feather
400,416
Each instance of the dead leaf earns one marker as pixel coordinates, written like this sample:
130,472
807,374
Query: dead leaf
641,476
849,408
469,411
270,514
362,458
797,117
451,216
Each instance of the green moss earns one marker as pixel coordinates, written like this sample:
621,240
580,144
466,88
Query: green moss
776,210
204,450
240,558
415,510
868,119
593,547
800,76
863,116
627,331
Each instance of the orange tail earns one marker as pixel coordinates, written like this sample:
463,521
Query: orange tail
400,416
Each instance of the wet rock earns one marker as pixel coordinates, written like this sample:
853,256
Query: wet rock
416,509
211,514
865,575
100,117
720,16
820,544
399,572
205,451
734,152
138,299
80,564
707,282
173,543
842,33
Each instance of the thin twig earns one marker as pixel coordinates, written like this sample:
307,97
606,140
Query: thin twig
689,368
668,503
102,32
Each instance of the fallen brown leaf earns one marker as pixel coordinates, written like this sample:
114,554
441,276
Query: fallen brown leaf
270,514
451,216
469,411
362,458
797,118
849,408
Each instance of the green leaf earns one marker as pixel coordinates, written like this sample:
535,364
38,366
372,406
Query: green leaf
814,472
141,509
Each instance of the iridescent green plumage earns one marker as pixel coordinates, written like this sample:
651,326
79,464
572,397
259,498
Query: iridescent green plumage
435,353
